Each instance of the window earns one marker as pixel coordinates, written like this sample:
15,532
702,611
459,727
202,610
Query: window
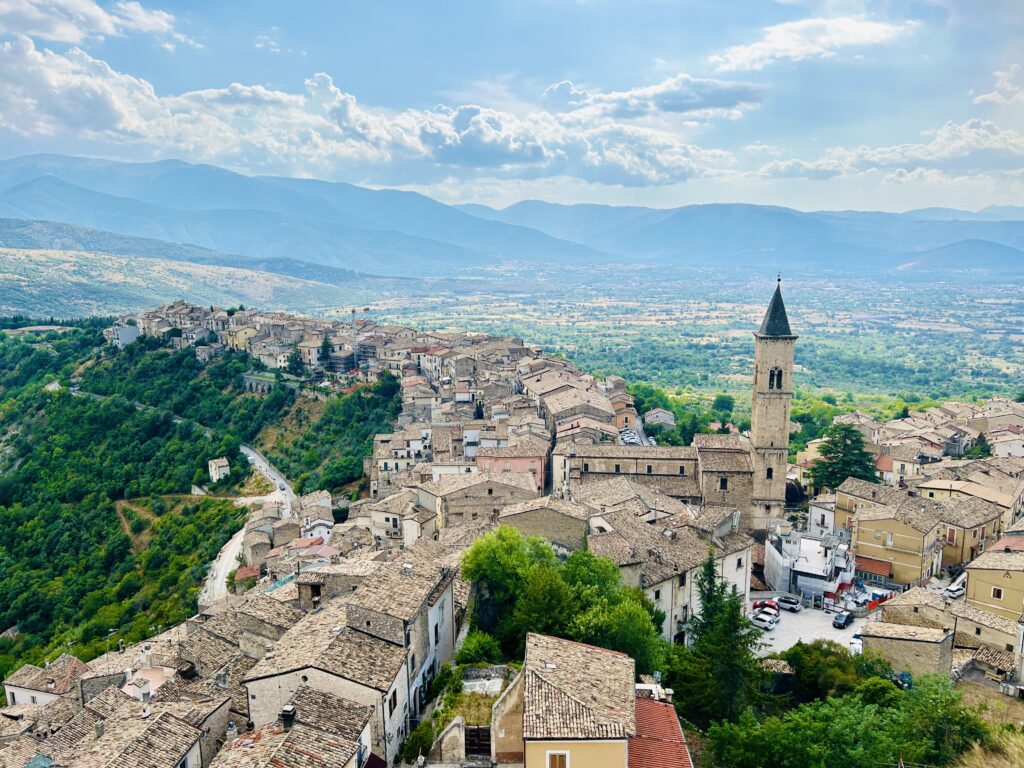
586,467
931,494
558,760
393,704
974,533
13,700
915,609
437,634
657,594
739,563
822,522
490,491
305,679
768,473
723,483
977,630
682,579
650,469
951,535
33,699
617,469
682,470
997,593
888,539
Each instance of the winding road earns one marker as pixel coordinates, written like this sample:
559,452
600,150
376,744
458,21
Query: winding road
216,586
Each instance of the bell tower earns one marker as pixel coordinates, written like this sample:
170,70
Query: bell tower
774,343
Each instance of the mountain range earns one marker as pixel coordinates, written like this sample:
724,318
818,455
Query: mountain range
332,232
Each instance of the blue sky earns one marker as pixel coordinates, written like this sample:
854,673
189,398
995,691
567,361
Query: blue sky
809,103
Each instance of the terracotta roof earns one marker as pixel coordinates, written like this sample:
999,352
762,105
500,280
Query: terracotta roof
659,741
576,691
870,565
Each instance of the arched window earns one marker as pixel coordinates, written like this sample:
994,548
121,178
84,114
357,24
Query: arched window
768,473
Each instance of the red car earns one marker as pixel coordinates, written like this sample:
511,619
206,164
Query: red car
765,604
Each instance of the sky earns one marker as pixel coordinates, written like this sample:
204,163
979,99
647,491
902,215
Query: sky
813,104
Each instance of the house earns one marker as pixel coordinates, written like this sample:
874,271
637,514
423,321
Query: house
458,498
672,469
30,684
556,715
995,582
321,651
661,418
914,649
821,515
121,334
807,565
562,522
527,455
219,469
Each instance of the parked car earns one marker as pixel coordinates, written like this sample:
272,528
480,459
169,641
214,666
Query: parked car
763,621
773,612
280,486
842,620
955,593
766,604
789,603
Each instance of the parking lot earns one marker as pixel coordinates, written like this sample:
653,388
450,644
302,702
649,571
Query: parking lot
808,625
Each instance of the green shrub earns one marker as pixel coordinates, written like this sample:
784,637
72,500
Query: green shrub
479,648
419,742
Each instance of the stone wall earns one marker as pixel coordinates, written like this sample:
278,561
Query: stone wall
914,656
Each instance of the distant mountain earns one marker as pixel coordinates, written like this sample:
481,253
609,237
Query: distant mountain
768,236
291,224
383,231
965,254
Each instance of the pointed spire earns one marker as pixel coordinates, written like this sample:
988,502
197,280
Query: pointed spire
776,323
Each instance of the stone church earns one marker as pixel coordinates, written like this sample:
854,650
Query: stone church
741,471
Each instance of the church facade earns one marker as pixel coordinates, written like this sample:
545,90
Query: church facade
748,473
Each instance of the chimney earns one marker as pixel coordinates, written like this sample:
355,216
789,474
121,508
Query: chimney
232,732
145,712
288,716
120,646
99,729
50,684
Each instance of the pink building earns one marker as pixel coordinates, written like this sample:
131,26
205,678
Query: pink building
526,456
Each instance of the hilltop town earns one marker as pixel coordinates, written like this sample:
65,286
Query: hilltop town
335,634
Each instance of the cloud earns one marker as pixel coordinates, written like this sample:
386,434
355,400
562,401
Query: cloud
681,94
974,147
1006,91
808,39
323,130
74,21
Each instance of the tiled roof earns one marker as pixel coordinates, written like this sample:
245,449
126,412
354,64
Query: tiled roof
329,713
919,596
999,560
715,442
964,610
576,691
567,508
265,608
659,741
300,747
888,631
65,673
871,565
398,588
455,482
608,450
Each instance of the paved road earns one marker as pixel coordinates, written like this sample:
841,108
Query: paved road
216,586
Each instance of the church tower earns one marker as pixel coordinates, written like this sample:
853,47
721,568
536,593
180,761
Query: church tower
769,414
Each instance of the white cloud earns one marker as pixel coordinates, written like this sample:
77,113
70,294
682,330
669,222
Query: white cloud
1007,90
74,21
808,39
680,94
974,147
322,130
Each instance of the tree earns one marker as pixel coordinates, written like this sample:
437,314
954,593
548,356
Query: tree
295,366
980,450
723,403
624,626
326,350
719,676
842,455
544,605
